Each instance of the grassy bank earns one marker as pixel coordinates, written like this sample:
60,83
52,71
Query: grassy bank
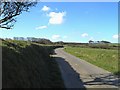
29,65
104,58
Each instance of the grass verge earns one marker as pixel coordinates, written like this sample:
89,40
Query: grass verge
104,58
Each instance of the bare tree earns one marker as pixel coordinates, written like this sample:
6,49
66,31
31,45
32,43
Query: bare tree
9,11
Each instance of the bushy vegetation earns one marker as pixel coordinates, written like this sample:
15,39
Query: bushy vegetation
29,65
104,58
105,46
113,46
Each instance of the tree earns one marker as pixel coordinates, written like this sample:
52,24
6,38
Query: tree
105,41
9,11
90,41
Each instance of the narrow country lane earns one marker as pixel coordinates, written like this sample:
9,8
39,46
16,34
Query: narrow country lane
78,73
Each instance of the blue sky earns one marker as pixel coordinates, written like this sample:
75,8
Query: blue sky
69,22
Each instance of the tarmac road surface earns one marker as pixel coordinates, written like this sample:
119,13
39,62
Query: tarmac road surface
78,73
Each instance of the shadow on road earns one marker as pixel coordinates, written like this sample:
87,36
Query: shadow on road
72,79
103,79
88,81
70,76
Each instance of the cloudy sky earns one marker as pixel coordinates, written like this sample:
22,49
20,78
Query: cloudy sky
69,22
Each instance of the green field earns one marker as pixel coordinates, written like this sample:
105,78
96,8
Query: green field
29,65
104,58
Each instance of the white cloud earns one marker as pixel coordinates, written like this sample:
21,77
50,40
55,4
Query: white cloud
56,18
55,36
84,35
41,27
45,8
115,36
